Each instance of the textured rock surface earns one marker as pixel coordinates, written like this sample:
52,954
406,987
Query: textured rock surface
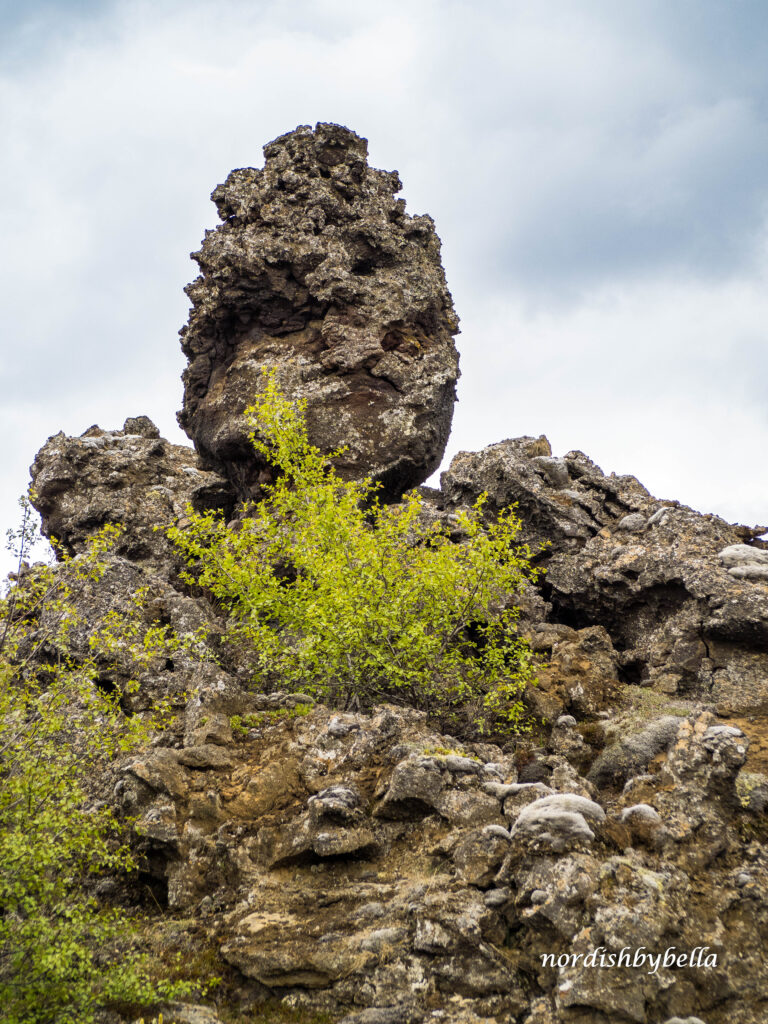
363,865
318,272
682,595
137,480
310,892
132,477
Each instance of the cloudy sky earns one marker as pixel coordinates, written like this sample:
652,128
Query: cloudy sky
598,173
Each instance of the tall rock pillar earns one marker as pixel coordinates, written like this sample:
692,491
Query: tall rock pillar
317,271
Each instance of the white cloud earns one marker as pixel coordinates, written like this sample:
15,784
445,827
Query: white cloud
661,379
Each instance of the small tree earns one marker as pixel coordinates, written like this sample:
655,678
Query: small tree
341,596
62,956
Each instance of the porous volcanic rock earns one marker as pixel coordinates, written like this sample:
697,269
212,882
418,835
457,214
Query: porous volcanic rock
318,273
311,893
364,865
130,477
134,479
682,595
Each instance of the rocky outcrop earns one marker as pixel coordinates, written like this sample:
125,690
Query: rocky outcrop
135,480
318,273
132,478
366,866
363,866
682,595
562,502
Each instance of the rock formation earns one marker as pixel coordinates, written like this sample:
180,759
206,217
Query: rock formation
318,273
680,593
365,865
131,477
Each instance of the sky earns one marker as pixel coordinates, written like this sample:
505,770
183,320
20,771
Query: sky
597,171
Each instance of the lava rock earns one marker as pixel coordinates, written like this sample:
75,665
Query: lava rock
318,273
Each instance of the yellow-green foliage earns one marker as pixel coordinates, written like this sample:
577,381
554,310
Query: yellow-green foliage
449,752
61,956
242,723
338,595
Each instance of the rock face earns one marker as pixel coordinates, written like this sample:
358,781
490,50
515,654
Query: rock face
137,480
132,477
682,595
318,272
358,866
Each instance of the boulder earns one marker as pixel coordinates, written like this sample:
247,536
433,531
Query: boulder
632,755
480,853
318,273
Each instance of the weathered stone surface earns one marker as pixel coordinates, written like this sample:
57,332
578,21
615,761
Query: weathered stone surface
681,620
558,822
318,272
752,790
205,755
682,595
414,789
562,502
365,866
645,824
632,755
580,674
479,855
698,784
131,477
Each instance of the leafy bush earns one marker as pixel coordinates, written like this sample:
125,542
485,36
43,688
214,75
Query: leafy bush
337,595
61,956
240,724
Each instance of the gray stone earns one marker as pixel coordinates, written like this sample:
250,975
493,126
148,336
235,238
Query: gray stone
749,572
632,523
739,555
498,897
468,807
317,272
569,802
554,828
337,803
633,755
129,477
206,755
479,855
641,813
566,722
413,790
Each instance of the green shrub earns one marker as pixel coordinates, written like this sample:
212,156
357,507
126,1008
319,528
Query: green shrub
335,594
255,720
62,956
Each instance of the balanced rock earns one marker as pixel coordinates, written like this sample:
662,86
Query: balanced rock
318,273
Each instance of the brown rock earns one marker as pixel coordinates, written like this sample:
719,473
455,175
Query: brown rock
318,272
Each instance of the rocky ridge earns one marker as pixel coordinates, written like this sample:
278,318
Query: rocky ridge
364,865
